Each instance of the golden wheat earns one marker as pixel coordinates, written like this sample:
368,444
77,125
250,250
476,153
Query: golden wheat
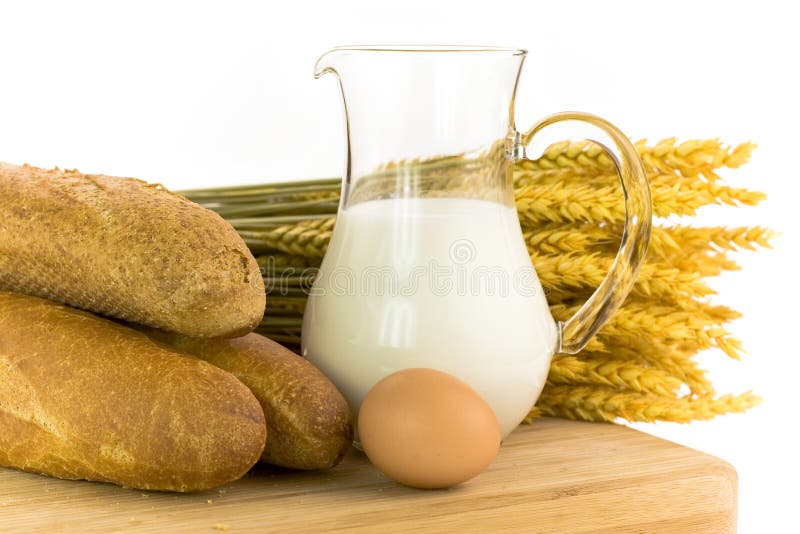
602,403
572,201
642,321
691,158
563,276
621,374
666,241
308,238
673,360
641,365
576,273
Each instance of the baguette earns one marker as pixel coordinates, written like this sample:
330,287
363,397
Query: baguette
127,249
82,397
309,423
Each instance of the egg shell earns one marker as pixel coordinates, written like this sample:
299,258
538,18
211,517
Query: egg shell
427,429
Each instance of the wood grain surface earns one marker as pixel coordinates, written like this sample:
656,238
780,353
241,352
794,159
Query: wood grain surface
553,476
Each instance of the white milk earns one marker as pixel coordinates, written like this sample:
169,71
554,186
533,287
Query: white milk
442,283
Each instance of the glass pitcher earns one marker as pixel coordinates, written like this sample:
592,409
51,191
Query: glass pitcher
427,265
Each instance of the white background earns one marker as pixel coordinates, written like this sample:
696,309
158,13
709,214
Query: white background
221,93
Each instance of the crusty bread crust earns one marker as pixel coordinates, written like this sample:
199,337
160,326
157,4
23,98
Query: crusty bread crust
82,397
127,249
309,423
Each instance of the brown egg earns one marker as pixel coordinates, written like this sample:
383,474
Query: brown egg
427,429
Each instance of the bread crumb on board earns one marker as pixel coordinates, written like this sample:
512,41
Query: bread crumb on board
221,526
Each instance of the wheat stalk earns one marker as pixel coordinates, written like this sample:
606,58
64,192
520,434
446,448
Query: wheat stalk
576,273
620,374
307,238
564,275
603,403
572,201
666,241
698,157
641,322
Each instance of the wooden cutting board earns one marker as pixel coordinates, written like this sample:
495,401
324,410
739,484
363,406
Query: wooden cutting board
553,476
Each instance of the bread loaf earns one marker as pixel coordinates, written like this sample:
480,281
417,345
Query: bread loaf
127,249
309,423
82,397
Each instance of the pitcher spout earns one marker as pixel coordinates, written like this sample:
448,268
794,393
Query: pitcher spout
327,63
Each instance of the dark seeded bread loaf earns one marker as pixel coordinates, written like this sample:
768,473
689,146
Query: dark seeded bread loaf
82,397
309,423
127,249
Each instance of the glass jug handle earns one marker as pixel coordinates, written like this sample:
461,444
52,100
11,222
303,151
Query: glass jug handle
612,291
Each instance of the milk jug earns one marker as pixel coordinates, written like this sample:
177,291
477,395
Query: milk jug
427,265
